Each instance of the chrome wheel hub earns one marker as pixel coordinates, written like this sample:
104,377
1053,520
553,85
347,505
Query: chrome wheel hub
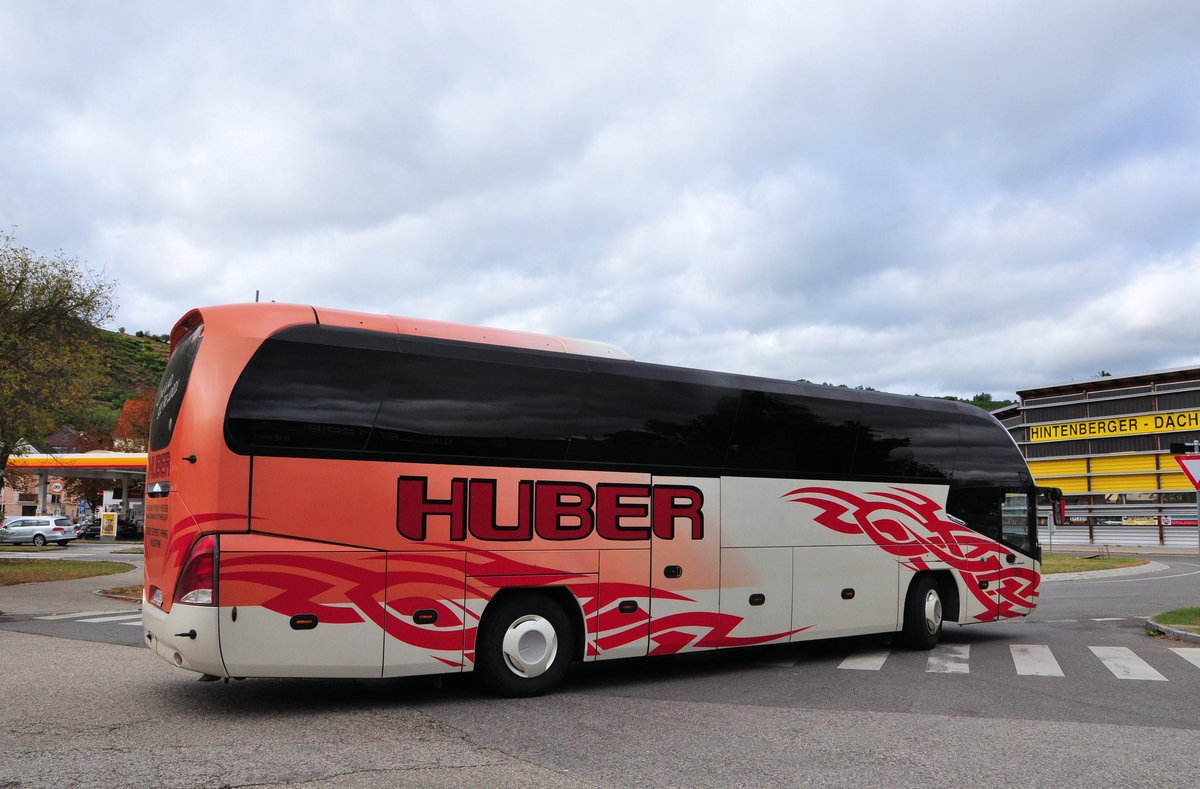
530,646
933,611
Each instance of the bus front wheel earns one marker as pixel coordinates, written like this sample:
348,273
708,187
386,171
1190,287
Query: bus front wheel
524,645
922,613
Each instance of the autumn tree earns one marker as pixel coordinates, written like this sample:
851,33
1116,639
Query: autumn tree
50,308
132,432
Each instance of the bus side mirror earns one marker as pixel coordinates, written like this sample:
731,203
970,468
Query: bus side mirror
1058,505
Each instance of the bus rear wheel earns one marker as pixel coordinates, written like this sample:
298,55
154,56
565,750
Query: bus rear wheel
524,645
922,613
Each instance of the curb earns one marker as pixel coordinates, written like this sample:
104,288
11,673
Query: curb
126,598
1154,628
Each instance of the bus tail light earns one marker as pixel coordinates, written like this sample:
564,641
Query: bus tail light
198,581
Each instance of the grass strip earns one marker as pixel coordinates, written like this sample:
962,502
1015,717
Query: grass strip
27,571
1068,563
1180,617
124,592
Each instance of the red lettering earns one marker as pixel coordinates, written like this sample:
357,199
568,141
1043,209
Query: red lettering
563,510
550,510
671,503
612,505
414,508
159,466
482,517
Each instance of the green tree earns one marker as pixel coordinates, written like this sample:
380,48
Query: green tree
49,360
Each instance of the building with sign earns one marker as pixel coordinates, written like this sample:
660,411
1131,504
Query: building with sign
1107,443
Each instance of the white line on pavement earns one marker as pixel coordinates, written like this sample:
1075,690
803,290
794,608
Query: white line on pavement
1035,660
949,659
1124,664
866,660
1190,654
52,617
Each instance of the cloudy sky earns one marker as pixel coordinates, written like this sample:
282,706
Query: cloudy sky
933,197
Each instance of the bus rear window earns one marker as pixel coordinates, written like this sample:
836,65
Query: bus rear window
171,390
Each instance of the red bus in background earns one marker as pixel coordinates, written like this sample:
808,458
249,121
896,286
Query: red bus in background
338,494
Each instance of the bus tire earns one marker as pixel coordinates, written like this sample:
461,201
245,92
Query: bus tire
524,645
922,613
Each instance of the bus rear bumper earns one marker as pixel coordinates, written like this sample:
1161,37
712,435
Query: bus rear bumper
186,637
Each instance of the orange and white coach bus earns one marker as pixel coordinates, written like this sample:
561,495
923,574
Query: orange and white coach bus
338,494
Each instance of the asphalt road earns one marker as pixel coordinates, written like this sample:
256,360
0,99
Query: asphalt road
1110,707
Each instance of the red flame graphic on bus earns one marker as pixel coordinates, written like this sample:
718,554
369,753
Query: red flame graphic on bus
915,529
353,588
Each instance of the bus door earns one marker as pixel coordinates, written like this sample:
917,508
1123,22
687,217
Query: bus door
685,568
296,608
983,582
1019,571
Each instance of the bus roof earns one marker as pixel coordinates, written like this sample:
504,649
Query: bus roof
287,315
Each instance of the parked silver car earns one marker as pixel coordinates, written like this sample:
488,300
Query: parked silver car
37,529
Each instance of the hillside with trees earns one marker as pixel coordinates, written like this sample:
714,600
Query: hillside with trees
132,368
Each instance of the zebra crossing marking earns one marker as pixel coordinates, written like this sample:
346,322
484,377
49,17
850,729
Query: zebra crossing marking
1029,660
1124,664
124,618
1190,654
55,617
1035,660
865,660
949,659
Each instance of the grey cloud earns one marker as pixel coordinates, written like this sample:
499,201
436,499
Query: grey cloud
929,197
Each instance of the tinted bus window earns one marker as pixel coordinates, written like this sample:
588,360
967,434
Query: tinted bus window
903,442
987,454
657,418
172,389
793,434
455,401
310,388
496,404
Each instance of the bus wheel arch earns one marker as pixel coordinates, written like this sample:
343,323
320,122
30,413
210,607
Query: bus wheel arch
526,640
932,600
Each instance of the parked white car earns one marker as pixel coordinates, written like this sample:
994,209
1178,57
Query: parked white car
37,529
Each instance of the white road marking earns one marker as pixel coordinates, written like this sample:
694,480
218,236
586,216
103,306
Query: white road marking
865,660
125,617
1190,654
52,617
1124,664
1035,660
949,659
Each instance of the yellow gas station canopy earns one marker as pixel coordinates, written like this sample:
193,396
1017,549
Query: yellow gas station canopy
99,464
